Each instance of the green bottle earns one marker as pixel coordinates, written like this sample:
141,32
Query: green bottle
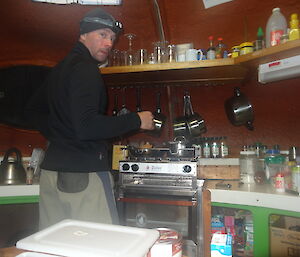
260,41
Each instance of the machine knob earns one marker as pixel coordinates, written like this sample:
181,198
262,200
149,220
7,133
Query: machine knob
135,167
125,166
187,168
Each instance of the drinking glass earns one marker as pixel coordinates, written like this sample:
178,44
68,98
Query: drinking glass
114,58
130,53
141,56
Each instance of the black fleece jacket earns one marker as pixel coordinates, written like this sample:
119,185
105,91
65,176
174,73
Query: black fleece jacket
69,110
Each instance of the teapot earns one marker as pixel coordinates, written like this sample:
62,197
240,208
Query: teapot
12,171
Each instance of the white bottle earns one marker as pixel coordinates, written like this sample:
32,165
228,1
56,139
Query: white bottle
276,27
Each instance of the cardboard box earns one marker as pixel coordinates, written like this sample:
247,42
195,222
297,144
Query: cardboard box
221,245
284,242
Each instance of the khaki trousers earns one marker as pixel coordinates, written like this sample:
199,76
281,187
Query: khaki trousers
89,205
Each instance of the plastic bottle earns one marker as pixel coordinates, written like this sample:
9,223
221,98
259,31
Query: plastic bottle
211,51
276,27
215,148
294,27
220,48
223,147
248,166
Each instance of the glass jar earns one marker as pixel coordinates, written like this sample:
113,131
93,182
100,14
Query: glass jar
248,166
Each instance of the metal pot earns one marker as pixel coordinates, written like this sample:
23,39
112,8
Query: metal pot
239,110
190,124
12,172
159,119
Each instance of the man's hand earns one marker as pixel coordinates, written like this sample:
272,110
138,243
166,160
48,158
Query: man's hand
146,120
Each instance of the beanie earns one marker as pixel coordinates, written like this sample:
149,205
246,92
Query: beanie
99,19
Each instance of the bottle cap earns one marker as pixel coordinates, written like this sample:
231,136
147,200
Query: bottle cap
260,32
277,9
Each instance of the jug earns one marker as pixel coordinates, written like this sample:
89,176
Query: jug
12,172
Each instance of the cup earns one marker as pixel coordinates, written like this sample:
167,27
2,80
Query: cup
181,49
114,58
141,57
193,55
171,53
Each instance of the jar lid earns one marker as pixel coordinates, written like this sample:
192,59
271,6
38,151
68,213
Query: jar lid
246,44
272,151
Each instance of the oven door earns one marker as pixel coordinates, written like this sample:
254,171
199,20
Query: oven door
140,208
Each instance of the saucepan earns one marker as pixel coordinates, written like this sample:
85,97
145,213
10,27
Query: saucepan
191,124
159,118
239,110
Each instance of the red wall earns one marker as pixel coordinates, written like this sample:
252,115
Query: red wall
47,31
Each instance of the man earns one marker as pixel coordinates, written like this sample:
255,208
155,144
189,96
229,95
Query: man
68,110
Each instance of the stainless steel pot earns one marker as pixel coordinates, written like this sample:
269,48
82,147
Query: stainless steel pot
12,171
159,118
191,124
239,110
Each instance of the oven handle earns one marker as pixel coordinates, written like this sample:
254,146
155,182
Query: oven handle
156,201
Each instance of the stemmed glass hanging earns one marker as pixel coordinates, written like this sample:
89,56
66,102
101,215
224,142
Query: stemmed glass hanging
129,56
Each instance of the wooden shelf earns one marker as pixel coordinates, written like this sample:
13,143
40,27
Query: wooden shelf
208,72
252,60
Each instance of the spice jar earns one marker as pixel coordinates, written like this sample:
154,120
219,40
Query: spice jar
248,166
246,48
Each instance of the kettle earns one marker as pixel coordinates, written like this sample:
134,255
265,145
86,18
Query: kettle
12,171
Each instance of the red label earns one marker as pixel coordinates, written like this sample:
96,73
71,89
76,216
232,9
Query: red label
275,37
274,64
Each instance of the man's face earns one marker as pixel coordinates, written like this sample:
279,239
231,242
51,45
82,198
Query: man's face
99,42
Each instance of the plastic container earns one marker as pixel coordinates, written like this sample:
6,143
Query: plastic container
246,48
276,27
274,164
294,27
235,51
248,166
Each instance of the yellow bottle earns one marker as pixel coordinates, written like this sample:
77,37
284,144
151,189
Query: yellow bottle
294,27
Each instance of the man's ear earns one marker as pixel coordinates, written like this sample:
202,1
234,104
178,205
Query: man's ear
82,37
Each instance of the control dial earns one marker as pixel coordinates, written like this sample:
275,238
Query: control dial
135,167
187,168
125,167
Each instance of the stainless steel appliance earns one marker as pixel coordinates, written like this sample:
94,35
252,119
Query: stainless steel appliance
163,193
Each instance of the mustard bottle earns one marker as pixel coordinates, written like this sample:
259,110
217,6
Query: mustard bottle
294,27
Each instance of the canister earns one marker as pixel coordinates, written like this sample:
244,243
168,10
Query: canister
235,51
296,178
246,48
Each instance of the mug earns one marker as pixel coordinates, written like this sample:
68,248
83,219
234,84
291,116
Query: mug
180,50
192,55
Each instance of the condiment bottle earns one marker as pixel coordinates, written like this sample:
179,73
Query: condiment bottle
215,149
276,27
220,48
223,147
206,149
260,41
294,27
211,51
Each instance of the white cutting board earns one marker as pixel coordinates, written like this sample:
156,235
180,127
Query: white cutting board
86,239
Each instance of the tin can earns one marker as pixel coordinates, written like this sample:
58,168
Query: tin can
169,244
246,48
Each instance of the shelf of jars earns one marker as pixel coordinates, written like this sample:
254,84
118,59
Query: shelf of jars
207,72
285,50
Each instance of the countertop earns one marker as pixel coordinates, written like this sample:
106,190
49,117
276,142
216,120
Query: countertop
247,194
